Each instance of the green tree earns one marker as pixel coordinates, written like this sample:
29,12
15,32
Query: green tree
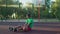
56,9
8,2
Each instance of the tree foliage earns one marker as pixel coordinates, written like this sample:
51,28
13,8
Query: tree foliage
56,9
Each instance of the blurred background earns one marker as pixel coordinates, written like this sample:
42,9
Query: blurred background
17,9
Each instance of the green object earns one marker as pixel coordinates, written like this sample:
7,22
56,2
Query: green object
30,22
48,3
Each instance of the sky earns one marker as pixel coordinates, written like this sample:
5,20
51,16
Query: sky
33,1
25,1
52,0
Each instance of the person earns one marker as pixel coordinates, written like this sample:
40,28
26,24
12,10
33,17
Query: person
27,26
29,23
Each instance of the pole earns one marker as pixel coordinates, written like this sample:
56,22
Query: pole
6,10
6,5
39,13
19,5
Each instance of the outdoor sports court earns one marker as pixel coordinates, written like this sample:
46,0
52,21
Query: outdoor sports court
39,28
